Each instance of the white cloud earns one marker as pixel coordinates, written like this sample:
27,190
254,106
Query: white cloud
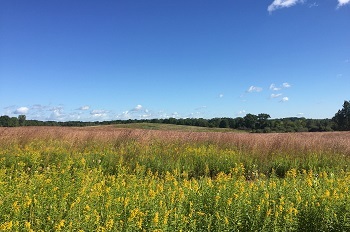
343,2
274,88
275,95
99,113
74,116
21,110
57,114
39,107
300,114
195,115
254,89
286,85
137,112
241,112
313,5
146,116
175,115
124,115
84,108
277,4
285,99
221,95
56,108
137,108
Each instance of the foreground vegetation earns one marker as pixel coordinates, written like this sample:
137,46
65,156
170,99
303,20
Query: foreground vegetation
107,179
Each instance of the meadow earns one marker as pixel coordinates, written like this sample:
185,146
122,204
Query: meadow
130,179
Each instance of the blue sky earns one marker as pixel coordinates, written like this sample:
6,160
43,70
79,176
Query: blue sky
104,60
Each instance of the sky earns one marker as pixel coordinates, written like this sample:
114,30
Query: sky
118,59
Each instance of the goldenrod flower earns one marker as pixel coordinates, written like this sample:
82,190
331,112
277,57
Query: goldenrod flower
156,218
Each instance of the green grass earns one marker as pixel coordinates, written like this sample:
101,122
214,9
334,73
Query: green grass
172,127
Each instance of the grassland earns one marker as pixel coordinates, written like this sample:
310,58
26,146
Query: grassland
127,179
172,127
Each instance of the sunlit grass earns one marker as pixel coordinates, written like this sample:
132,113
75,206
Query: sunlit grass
64,180
161,126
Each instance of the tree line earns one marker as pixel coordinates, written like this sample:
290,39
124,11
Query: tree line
261,123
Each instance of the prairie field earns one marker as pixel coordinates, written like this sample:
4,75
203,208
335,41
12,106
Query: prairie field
129,179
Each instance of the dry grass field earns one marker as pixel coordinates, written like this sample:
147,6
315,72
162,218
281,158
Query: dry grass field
264,144
129,179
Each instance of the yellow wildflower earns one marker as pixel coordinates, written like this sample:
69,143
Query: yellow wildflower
226,220
109,224
60,225
27,225
6,226
156,218
15,206
327,193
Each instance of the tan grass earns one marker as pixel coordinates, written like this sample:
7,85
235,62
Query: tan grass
330,142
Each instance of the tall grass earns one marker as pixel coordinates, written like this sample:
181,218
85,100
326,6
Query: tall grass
103,179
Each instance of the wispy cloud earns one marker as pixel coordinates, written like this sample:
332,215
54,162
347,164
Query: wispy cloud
39,107
137,112
300,114
137,108
57,114
124,115
221,95
286,85
254,89
313,5
99,113
241,113
343,2
38,112
195,115
9,107
285,99
84,108
278,4
21,110
274,88
175,115
275,95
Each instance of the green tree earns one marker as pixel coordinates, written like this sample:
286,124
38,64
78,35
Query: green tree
224,123
7,121
250,121
21,120
263,120
239,123
342,117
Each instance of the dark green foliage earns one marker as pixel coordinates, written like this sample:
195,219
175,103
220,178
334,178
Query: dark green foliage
8,121
21,120
250,121
260,123
224,123
342,117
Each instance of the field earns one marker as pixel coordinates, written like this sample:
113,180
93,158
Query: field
172,127
130,179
